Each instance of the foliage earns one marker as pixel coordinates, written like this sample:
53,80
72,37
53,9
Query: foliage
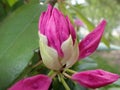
19,39
96,10
8,6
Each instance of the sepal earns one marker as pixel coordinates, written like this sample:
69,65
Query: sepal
49,55
70,51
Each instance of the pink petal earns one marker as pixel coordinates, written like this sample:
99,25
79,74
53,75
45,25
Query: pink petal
38,82
41,29
61,25
89,44
53,36
95,78
71,29
47,27
45,16
56,27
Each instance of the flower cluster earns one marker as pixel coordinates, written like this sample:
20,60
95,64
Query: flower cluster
60,50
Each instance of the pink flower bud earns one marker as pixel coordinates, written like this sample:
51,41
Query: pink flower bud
38,82
58,44
90,43
56,27
78,23
95,78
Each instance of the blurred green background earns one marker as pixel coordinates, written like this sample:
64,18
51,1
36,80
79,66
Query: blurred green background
19,38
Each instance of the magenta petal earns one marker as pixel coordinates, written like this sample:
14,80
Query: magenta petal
41,29
38,82
95,78
56,27
52,36
89,44
71,29
44,18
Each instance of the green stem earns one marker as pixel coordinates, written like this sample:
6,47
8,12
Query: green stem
37,64
52,74
66,75
64,83
71,71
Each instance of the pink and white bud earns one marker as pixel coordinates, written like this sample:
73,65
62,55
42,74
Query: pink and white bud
58,43
38,82
95,78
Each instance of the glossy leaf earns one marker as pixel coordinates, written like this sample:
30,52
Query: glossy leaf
18,39
103,47
86,64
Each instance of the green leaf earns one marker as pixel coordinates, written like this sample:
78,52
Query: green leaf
89,24
103,47
2,12
117,83
11,2
83,18
18,39
79,87
114,88
85,64
103,64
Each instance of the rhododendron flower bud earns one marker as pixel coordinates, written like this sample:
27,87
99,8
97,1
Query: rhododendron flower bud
95,78
38,82
90,43
78,23
58,43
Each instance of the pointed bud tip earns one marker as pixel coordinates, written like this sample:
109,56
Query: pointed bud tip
49,6
104,22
